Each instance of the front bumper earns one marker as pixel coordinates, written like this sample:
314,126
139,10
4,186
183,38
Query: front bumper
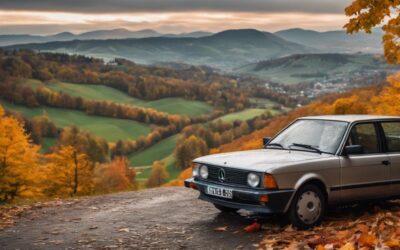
248,199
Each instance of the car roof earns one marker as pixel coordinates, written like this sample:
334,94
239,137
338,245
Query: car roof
351,118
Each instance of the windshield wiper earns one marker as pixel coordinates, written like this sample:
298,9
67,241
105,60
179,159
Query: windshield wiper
274,145
306,146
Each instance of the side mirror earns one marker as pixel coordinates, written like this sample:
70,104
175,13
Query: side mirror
353,150
266,140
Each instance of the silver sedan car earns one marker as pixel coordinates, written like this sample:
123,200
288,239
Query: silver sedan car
312,163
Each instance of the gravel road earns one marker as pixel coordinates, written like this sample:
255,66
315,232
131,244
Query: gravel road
163,218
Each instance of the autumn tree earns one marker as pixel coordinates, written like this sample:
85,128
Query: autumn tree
115,176
159,175
19,170
70,172
95,148
188,149
367,14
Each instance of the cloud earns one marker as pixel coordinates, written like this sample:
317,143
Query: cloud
50,22
131,6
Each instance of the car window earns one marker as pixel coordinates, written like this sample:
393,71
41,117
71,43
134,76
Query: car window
364,135
324,135
392,135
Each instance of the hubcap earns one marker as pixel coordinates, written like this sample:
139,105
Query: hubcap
309,207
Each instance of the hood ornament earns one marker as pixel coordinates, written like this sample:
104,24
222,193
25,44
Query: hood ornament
221,175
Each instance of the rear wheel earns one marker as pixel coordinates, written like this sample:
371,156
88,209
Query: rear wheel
226,209
308,207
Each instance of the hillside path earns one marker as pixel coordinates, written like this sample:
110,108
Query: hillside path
163,218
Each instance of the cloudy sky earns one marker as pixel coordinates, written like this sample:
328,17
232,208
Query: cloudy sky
168,16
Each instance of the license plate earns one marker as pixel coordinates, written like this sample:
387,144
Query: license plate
220,192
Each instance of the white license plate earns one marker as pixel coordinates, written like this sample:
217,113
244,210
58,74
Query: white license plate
220,192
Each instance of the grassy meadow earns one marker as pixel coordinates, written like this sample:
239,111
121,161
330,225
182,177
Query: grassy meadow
173,105
244,115
110,129
156,152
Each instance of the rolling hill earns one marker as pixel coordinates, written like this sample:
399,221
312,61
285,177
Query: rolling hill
111,129
335,41
227,49
314,67
172,105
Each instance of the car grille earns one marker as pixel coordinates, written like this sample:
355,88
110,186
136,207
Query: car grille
232,176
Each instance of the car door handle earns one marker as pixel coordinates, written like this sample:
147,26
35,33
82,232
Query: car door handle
386,163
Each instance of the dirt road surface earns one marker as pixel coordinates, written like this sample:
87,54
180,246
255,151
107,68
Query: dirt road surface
164,218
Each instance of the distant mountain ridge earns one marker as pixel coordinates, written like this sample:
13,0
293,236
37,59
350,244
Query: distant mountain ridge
335,41
225,50
6,40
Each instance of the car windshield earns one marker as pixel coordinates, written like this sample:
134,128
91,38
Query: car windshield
311,135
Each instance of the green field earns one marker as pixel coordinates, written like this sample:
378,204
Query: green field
262,102
173,105
244,115
156,152
169,161
110,129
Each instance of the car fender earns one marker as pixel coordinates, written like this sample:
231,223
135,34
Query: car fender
304,179
309,177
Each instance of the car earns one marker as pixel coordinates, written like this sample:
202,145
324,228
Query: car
313,163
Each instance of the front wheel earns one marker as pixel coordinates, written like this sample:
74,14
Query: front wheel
226,209
308,207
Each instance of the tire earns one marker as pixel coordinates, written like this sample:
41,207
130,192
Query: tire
307,208
226,209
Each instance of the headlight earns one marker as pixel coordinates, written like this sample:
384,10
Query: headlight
195,170
204,172
253,180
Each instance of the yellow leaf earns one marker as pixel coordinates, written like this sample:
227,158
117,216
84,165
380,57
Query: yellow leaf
348,246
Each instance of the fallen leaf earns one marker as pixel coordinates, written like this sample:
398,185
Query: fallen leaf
221,229
255,227
320,247
392,243
367,240
348,246
344,234
289,229
126,230
363,228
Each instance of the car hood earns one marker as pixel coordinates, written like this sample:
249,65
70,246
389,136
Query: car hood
260,160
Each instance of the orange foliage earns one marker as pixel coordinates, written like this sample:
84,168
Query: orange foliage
185,174
69,172
19,169
115,176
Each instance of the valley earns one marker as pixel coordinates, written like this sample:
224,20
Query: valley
140,116
145,93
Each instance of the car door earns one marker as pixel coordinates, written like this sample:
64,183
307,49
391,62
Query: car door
391,131
363,175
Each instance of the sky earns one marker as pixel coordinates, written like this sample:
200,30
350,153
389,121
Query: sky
168,16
